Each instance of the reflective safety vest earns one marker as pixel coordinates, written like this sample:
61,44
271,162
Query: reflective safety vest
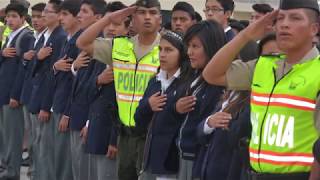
131,76
282,117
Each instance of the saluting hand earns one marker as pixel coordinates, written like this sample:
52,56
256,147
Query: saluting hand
259,28
44,53
9,52
157,101
82,61
219,120
186,104
120,15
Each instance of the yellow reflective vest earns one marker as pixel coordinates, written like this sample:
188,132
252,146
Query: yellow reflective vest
131,76
282,118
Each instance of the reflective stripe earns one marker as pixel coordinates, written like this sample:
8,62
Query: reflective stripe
302,159
128,97
284,100
130,66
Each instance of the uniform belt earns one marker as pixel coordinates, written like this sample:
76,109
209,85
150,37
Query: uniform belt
268,176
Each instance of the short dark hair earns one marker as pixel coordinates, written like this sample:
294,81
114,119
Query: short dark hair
227,5
267,38
262,8
56,4
186,7
198,17
18,8
148,3
208,32
115,6
38,7
72,6
236,25
97,6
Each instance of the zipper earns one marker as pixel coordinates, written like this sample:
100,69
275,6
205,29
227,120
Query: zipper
267,109
186,120
134,85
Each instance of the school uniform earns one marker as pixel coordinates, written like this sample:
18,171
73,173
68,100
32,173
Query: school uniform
41,99
62,86
223,159
207,98
102,127
161,156
11,80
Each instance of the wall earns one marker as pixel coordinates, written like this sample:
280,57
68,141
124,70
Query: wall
242,10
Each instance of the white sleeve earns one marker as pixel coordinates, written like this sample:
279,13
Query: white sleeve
206,128
74,72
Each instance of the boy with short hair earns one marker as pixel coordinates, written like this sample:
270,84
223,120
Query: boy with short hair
11,68
40,101
61,81
38,24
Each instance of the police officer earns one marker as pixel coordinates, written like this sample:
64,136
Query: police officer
135,60
284,90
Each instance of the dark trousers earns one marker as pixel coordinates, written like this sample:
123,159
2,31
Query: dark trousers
130,155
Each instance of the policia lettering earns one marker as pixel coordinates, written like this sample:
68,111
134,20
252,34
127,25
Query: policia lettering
128,82
283,129
278,130
131,76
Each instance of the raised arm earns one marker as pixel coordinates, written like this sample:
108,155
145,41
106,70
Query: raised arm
215,71
86,39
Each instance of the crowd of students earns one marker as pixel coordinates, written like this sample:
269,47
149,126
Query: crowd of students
99,91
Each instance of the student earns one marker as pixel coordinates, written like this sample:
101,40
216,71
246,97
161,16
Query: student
102,126
11,80
61,84
271,79
156,109
39,26
229,128
183,17
141,52
259,10
201,97
79,100
40,101
224,129
268,45
119,28
221,11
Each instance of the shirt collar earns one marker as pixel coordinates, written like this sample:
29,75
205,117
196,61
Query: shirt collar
162,75
228,28
312,54
14,33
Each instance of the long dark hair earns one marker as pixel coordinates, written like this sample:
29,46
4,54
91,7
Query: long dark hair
212,37
237,101
176,39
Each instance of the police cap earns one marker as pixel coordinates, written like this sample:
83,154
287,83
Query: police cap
148,3
295,4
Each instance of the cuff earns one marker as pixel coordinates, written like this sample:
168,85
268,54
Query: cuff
87,123
74,72
206,128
